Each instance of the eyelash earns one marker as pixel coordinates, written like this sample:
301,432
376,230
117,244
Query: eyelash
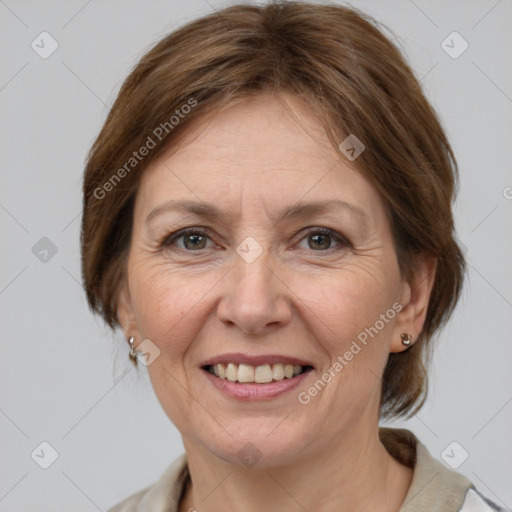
169,239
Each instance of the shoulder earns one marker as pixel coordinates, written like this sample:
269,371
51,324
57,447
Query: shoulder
163,495
434,486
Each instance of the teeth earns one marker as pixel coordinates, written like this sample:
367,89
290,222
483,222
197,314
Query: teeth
278,371
232,372
245,373
260,374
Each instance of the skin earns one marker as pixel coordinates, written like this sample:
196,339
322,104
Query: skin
304,296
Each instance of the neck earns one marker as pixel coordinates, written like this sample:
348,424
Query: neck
355,473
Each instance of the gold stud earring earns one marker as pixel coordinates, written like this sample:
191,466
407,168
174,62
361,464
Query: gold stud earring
406,339
132,355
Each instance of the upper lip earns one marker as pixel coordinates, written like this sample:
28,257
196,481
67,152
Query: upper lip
238,358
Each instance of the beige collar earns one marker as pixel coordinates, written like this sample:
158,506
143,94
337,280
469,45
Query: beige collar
433,486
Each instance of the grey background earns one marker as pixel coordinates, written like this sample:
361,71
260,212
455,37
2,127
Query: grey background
67,381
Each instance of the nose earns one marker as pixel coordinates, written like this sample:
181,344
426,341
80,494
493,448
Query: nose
255,297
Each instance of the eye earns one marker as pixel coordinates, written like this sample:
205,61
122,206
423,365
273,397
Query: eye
322,238
193,239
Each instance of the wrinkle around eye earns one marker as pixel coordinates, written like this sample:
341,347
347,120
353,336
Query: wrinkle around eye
165,241
171,241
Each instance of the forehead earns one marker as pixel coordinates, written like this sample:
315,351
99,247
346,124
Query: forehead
256,148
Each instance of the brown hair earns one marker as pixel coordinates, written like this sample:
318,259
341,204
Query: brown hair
338,60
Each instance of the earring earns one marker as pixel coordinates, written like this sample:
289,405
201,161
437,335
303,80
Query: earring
132,355
406,338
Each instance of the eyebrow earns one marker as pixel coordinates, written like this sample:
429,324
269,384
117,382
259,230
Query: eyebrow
208,210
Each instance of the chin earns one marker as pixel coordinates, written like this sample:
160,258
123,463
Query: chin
259,443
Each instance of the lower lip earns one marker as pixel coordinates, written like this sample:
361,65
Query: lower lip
249,392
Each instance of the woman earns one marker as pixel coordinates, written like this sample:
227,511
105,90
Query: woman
267,217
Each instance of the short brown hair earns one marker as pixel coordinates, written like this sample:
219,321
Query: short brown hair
338,60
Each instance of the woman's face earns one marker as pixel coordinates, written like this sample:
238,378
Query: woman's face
289,260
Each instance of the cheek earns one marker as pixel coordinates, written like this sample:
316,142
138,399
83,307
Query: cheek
358,315
354,329
166,305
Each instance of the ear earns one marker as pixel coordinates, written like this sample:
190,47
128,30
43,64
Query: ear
414,298
125,313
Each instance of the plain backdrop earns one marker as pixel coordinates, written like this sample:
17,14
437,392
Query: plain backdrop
67,381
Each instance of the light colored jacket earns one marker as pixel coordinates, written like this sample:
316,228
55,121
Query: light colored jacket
434,487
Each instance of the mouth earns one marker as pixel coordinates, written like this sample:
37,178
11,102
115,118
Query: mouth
255,378
243,373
